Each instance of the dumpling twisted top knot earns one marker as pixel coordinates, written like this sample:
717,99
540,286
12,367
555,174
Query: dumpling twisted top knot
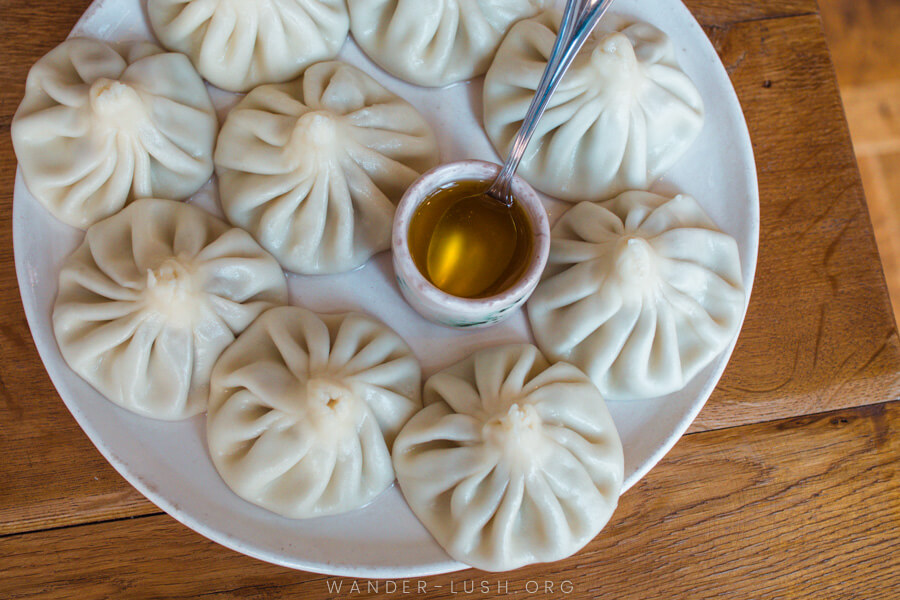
171,291
517,435
116,104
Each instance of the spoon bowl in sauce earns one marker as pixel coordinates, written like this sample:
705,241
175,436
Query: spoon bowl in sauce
471,247
468,244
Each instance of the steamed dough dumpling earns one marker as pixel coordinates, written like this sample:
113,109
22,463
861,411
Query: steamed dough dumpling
640,292
314,168
512,461
623,114
99,127
304,409
435,42
239,44
151,298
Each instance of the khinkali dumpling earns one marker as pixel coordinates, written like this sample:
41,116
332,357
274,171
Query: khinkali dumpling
239,44
314,168
622,116
151,298
641,292
304,409
98,128
512,461
435,42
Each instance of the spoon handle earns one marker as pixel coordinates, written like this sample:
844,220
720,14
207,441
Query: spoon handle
578,21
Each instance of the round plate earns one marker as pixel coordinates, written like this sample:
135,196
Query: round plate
169,462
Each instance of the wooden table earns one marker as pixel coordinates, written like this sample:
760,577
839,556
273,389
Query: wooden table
786,485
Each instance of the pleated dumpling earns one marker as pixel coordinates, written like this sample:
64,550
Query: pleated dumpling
239,44
314,168
304,410
641,292
512,461
623,114
98,128
435,42
151,298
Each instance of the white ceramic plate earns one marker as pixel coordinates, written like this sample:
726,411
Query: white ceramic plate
169,463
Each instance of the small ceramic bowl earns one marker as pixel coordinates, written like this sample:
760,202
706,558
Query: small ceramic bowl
439,306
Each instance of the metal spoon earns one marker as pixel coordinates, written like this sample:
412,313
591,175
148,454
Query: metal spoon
467,266
578,21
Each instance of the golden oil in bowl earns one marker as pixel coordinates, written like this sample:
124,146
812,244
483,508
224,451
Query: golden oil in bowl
468,244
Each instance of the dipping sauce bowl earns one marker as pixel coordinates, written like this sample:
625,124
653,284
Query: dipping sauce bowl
439,306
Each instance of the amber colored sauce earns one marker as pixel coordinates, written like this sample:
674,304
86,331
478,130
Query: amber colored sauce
468,244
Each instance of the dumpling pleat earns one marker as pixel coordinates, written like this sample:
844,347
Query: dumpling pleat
500,532
254,419
104,188
351,476
284,456
270,382
542,515
92,340
475,501
710,250
459,393
211,335
310,353
292,221
191,15
518,375
171,351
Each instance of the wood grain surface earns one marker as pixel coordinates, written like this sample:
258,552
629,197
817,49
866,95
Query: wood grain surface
755,504
864,40
862,35
819,333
